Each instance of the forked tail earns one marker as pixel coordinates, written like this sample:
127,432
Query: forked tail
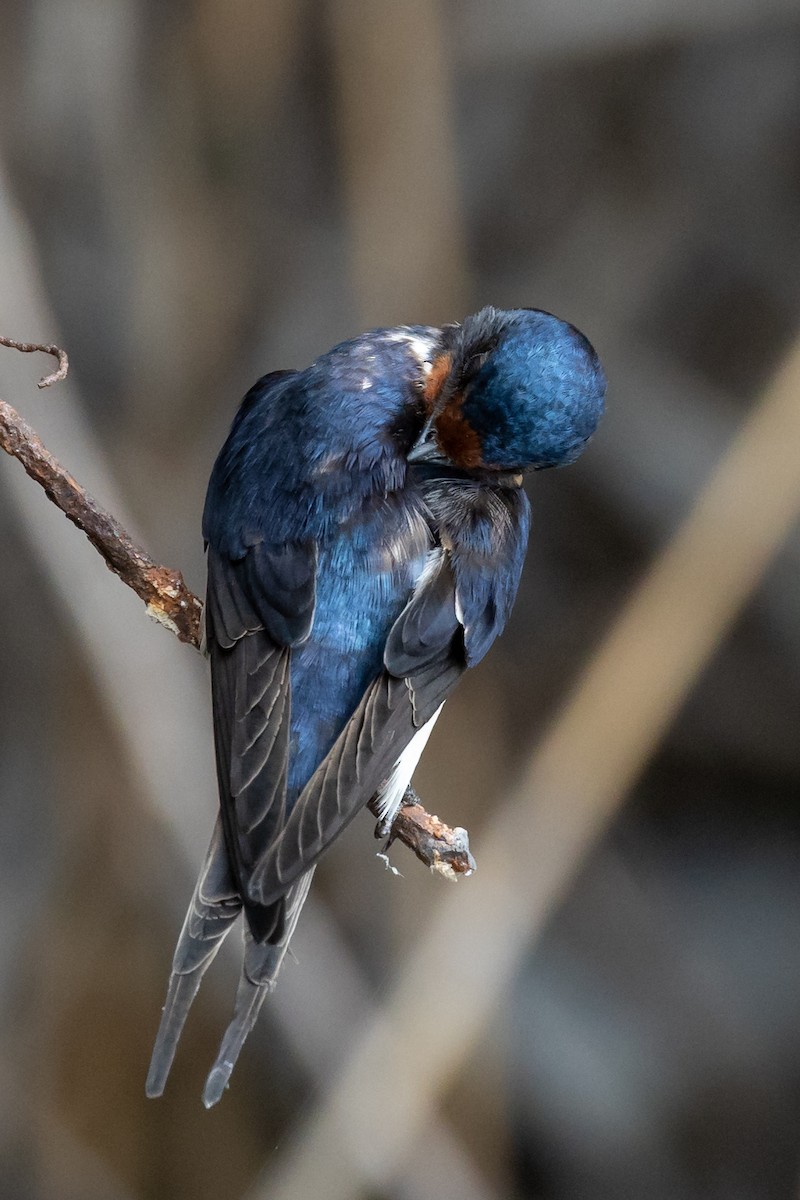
214,908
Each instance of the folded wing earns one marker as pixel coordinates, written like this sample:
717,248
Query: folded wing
259,606
459,607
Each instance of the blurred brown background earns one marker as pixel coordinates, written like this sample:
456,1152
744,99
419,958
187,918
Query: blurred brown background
193,194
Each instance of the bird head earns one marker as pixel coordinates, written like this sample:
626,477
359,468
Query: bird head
510,391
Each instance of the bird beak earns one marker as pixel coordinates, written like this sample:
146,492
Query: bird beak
425,449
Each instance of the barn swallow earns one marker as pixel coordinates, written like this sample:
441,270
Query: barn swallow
365,527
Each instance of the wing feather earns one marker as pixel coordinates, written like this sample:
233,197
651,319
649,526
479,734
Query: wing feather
258,605
426,645
459,607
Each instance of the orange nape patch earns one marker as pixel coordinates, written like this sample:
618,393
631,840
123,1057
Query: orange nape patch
456,437
434,383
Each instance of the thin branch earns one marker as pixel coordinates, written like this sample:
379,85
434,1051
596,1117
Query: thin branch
174,605
33,348
441,848
163,590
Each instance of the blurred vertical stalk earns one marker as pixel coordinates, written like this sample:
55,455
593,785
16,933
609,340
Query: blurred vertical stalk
154,693
597,746
399,163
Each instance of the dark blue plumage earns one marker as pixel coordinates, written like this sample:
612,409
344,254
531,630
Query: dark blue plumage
537,398
365,528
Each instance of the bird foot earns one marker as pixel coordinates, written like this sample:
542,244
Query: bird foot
383,828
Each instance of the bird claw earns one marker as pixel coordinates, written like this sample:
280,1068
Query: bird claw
383,829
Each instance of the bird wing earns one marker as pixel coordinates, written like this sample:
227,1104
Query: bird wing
258,606
458,608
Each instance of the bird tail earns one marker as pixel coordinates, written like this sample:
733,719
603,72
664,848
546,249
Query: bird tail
214,907
262,962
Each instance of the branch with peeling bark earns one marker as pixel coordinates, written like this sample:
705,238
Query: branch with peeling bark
170,602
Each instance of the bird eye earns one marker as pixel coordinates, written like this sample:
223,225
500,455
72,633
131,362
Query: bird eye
473,365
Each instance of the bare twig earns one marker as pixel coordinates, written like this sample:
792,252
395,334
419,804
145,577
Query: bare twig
174,605
34,347
444,850
164,591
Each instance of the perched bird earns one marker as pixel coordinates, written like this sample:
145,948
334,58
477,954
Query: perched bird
365,528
